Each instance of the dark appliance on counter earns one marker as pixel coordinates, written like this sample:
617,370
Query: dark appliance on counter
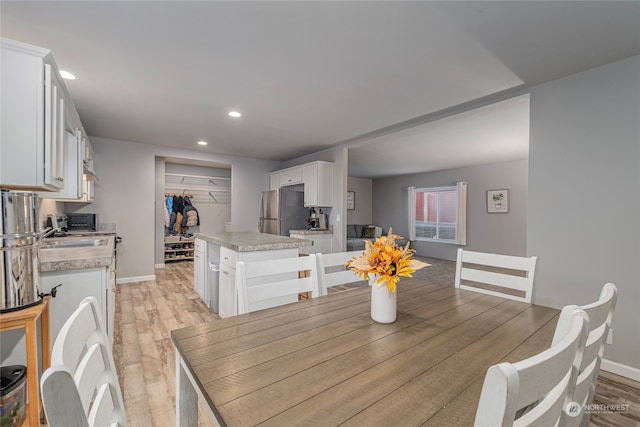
317,220
82,222
283,210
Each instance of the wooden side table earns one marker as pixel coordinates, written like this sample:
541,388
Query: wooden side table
27,319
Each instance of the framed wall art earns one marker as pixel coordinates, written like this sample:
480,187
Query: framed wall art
498,201
351,200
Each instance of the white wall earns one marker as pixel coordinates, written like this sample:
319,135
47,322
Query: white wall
363,189
126,195
503,233
584,195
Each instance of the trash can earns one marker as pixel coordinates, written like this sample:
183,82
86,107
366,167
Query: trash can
12,395
214,292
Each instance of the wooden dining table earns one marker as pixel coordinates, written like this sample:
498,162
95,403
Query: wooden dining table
324,362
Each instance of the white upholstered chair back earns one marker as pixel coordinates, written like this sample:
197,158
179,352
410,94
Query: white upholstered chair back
534,391
263,280
503,275
81,387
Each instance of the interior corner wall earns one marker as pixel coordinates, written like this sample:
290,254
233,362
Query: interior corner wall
584,187
503,233
363,201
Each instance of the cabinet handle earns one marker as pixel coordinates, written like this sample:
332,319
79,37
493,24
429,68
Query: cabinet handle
224,272
59,178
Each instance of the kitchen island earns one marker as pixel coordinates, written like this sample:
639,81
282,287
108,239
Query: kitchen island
216,256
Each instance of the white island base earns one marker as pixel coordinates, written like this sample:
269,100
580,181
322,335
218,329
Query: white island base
247,247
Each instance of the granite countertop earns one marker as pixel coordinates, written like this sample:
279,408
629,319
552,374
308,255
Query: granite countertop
58,258
311,232
249,241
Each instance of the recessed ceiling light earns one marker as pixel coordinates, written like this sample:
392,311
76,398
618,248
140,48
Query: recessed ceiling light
202,142
67,75
235,114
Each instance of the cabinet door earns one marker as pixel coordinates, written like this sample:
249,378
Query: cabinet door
310,174
228,296
111,301
53,131
290,176
199,270
88,193
76,286
274,181
318,184
73,187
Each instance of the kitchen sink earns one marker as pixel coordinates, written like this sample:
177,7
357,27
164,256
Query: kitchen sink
74,243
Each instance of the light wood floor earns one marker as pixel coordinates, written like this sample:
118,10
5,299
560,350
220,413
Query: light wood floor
147,311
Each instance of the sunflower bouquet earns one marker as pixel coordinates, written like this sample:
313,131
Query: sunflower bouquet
387,260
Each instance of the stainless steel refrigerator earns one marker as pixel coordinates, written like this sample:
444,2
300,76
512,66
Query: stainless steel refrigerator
283,210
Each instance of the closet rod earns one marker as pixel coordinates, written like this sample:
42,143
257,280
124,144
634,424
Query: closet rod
174,194
224,178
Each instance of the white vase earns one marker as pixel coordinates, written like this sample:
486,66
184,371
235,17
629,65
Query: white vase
384,303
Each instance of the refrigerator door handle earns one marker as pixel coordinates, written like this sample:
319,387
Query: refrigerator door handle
260,226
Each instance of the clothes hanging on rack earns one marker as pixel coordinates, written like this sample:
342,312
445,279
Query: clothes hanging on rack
179,214
169,204
190,214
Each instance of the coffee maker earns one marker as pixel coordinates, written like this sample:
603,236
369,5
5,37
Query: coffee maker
317,220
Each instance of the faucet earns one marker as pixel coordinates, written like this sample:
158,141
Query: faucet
48,231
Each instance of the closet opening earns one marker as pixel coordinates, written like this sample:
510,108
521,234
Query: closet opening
190,198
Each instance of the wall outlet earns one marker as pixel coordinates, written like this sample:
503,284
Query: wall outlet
610,337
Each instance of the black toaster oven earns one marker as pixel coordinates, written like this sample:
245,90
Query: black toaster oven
82,221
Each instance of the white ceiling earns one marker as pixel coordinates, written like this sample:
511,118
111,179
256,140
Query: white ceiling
310,75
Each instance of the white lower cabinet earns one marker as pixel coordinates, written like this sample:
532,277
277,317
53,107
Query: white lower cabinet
228,294
200,270
228,299
321,243
76,286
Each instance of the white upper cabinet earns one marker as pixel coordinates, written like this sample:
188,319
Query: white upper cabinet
72,170
35,112
274,180
318,184
290,176
317,178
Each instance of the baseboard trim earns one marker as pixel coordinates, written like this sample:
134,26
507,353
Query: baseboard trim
159,265
135,279
620,369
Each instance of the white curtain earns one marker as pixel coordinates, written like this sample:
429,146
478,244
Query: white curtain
411,194
461,214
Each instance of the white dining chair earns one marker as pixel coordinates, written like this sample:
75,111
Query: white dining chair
534,391
600,318
260,281
507,282
81,387
332,270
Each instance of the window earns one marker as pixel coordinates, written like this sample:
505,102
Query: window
438,213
